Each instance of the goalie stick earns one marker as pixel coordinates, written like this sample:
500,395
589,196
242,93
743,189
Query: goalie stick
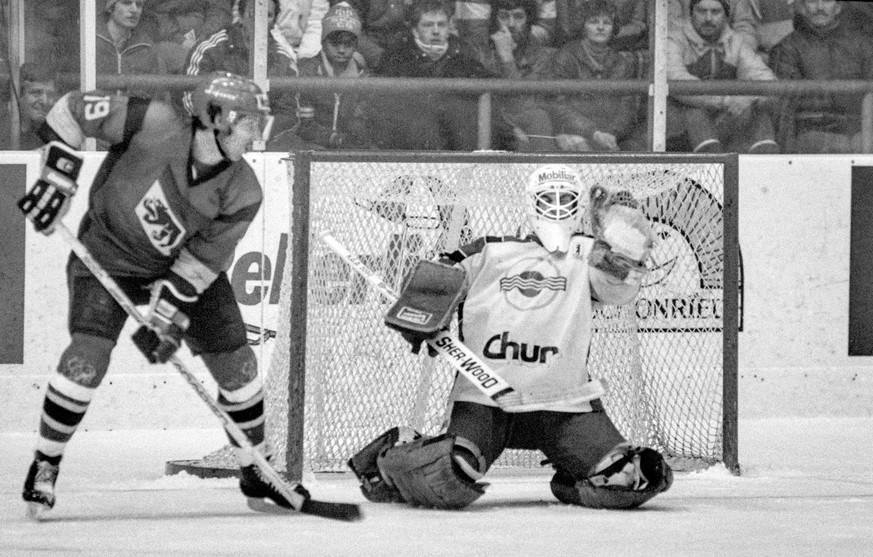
338,511
466,362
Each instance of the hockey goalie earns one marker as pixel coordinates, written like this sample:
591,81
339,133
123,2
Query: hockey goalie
525,306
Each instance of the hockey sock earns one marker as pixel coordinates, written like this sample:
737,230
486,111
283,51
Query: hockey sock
245,407
63,408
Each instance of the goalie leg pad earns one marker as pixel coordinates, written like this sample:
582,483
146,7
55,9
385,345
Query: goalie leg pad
428,472
625,478
365,466
428,300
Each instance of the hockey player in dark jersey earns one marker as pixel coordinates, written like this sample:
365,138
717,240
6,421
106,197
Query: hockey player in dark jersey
166,211
525,307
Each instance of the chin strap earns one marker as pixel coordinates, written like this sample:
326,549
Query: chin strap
218,144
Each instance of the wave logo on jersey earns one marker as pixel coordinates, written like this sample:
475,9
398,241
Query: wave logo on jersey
532,283
163,229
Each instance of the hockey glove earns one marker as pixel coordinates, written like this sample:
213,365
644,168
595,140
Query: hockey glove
49,199
416,341
623,236
166,319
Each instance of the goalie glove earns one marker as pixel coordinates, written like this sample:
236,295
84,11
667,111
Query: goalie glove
49,199
166,320
623,237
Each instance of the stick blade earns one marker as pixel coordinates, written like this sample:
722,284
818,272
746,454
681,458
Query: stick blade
347,512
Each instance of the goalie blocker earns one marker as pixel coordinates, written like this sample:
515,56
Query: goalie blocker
427,302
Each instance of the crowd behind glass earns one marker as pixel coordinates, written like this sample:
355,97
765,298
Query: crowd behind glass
744,40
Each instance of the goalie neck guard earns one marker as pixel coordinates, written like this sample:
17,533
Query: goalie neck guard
555,206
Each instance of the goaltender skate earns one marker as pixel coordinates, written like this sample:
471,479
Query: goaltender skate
525,306
165,213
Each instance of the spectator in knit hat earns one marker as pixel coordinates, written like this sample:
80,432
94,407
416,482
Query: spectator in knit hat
37,92
704,48
332,120
123,46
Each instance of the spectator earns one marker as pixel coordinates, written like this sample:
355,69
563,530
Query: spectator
593,122
704,47
438,120
123,47
177,25
762,23
631,19
51,32
228,50
299,24
514,54
384,22
37,93
473,22
325,120
822,47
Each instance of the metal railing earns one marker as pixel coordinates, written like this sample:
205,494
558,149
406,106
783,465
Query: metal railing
486,89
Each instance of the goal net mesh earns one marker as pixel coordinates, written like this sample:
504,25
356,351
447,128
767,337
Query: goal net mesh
660,357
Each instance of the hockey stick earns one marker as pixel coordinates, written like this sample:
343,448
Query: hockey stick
339,511
465,361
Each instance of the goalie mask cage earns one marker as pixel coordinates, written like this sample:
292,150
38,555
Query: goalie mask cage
338,377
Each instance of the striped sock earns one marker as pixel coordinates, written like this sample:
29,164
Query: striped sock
246,408
63,408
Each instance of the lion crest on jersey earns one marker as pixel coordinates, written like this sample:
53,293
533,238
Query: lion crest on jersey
161,226
532,283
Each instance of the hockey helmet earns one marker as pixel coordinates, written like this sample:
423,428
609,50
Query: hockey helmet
232,97
556,204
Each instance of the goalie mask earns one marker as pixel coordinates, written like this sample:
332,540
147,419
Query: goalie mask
555,207
223,100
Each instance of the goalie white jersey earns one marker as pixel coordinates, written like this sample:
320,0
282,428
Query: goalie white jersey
528,314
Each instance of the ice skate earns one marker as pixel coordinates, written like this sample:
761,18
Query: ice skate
256,488
39,487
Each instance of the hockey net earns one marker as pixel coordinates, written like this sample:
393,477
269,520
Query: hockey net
668,359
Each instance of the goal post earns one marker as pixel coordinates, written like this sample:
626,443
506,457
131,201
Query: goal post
338,377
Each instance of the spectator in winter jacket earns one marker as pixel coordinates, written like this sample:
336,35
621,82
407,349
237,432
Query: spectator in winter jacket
383,23
228,50
823,47
299,24
331,120
177,25
440,121
123,47
704,47
588,121
631,23
762,23
513,53
473,19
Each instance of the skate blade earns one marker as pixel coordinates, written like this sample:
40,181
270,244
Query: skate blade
36,511
262,506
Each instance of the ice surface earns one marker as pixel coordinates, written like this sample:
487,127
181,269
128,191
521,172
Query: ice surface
806,489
